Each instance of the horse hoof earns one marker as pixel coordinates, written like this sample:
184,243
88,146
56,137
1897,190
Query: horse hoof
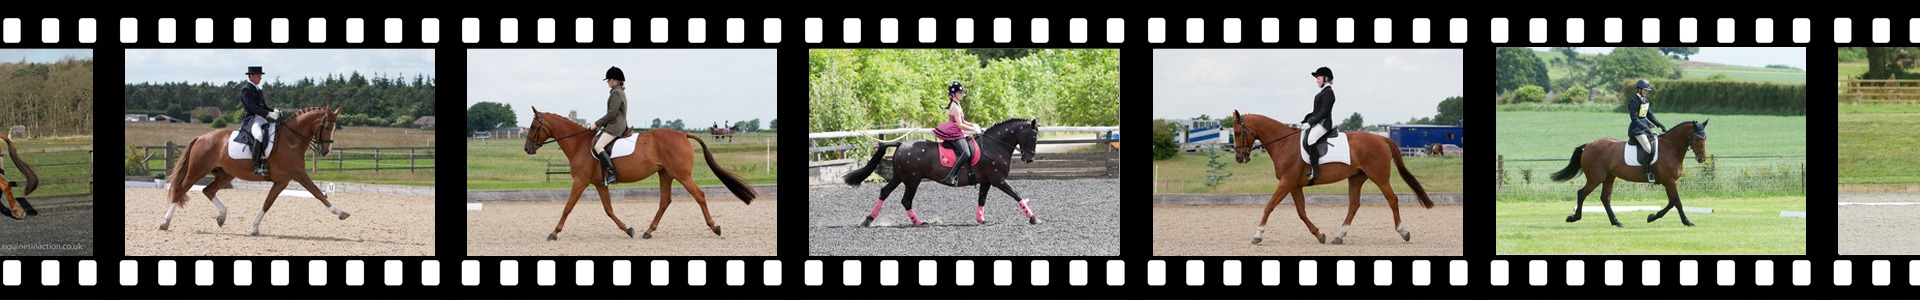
344,214
1406,236
551,237
1323,237
716,229
867,223
1256,241
629,232
255,233
1689,224
1339,240
1618,225
221,221
163,226
648,235
1033,221
1573,218
1651,217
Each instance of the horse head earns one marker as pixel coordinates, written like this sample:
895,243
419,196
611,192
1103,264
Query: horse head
1029,136
1242,147
537,134
1699,142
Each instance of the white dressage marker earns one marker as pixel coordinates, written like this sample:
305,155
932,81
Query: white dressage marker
473,206
1590,209
1796,214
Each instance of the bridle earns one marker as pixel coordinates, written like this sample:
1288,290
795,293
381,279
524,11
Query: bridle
1241,122
310,141
541,124
1016,147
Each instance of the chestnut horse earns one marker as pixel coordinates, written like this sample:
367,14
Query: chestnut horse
6,187
1604,164
663,152
1370,154
207,154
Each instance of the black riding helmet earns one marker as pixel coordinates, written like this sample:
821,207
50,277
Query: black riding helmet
1324,71
1644,85
614,73
955,87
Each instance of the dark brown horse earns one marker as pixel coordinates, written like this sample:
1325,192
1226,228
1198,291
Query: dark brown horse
207,154
6,187
723,133
921,160
1370,154
663,152
1604,164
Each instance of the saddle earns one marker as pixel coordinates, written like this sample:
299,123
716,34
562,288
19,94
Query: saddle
1635,157
239,148
946,154
621,146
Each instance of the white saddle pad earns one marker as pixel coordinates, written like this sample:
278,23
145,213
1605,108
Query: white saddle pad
239,150
623,147
1632,153
1337,151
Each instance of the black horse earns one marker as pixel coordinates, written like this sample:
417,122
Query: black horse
921,160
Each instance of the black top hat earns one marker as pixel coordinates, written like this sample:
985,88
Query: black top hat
255,70
1324,71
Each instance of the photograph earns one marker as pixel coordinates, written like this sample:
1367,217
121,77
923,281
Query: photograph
1879,105
1707,143
1375,137
902,140
549,129
47,175
344,138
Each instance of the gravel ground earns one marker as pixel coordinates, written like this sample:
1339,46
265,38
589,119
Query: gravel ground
1878,229
62,230
1078,217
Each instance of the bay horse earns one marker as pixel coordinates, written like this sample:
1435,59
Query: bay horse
6,187
207,154
663,152
720,133
1370,154
1605,163
921,160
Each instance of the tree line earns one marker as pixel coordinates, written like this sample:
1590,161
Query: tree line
54,98
364,100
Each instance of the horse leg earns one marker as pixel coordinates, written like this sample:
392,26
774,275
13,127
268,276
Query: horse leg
666,198
572,198
1673,198
606,202
1271,202
320,195
1581,200
907,201
699,197
1606,200
1353,206
980,212
1300,207
176,194
1393,203
271,195
1002,184
884,191
12,204
219,180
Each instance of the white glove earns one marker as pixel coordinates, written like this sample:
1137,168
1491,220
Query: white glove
275,114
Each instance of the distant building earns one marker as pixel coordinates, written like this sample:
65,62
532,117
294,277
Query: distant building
423,123
139,118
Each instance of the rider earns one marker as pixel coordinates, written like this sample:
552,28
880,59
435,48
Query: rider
1639,111
1321,119
951,132
257,115
614,123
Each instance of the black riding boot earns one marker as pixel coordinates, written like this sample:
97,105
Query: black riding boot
1647,165
260,158
606,164
959,161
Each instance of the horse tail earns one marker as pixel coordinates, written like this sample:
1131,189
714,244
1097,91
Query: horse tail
1418,191
879,152
33,180
1573,166
180,170
734,184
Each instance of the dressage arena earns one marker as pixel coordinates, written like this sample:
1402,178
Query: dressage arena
1227,230
520,228
1078,217
380,225
1878,224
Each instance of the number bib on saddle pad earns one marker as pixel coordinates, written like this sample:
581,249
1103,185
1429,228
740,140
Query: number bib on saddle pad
623,147
946,154
239,150
1337,151
1632,153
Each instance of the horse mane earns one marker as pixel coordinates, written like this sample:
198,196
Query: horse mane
1009,120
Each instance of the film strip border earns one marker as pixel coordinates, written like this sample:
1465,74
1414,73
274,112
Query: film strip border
964,272
908,32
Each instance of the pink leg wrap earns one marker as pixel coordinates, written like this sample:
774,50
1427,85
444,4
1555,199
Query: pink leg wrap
980,214
915,218
876,208
1023,208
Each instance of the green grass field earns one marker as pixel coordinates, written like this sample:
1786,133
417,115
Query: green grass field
1871,143
503,164
155,134
64,171
1187,172
1553,135
1698,70
1737,226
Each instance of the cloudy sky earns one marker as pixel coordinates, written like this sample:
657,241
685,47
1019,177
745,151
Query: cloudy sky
1742,56
284,65
1383,85
42,55
699,86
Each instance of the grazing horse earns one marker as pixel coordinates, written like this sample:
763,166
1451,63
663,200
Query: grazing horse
663,152
1607,162
208,154
1370,154
921,160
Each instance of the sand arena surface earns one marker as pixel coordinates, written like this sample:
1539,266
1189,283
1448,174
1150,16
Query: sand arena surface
1227,230
379,225
520,228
